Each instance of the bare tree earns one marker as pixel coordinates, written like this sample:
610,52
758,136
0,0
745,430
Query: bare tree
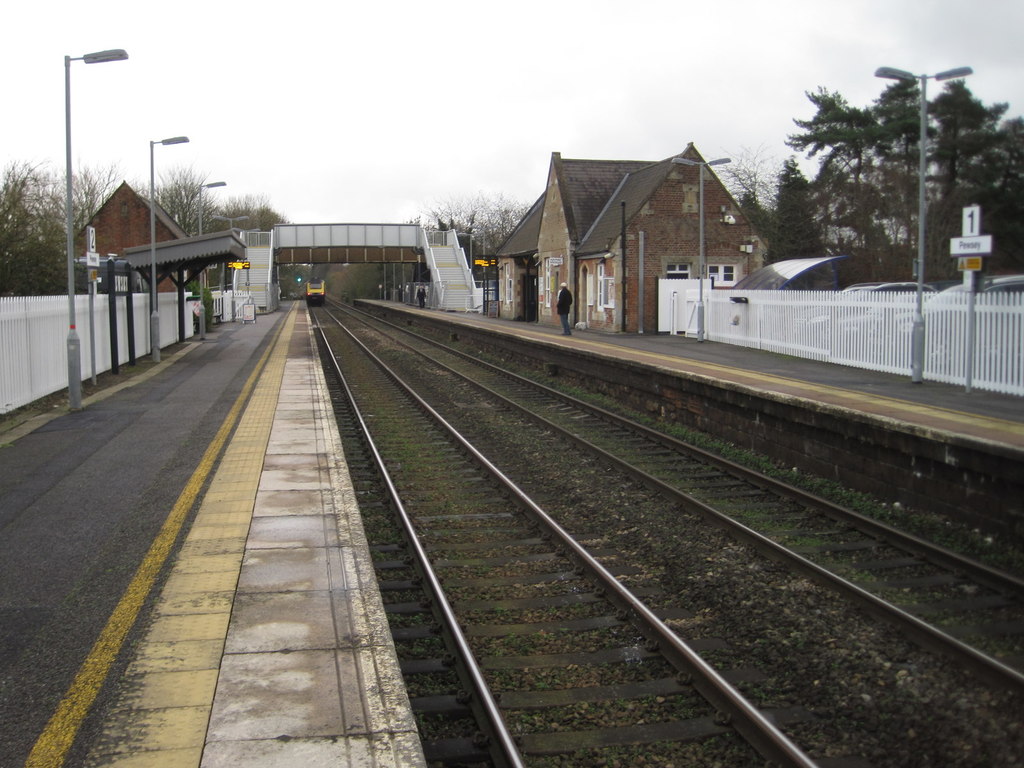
178,194
32,242
90,189
751,176
262,215
488,218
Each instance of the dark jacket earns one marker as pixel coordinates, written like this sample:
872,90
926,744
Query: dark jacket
564,301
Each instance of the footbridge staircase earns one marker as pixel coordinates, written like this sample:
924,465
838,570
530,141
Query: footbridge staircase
451,281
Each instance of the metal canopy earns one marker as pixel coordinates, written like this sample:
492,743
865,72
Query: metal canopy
194,253
183,260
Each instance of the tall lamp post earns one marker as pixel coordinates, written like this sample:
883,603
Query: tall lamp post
211,185
154,305
231,225
702,267
74,346
917,337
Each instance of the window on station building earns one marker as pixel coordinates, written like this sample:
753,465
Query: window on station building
677,271
605,288
722,274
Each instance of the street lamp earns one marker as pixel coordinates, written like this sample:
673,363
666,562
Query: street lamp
224,269
74,346
917,338
212,184
230,219
702,267
154,305
201,188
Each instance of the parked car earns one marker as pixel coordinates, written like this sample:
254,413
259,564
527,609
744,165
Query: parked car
890,287
994,284
946,323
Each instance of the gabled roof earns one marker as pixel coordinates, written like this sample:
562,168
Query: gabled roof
161,215
593,192
524,238
586,187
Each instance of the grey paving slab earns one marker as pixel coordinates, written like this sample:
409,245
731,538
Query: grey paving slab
288,502
284,621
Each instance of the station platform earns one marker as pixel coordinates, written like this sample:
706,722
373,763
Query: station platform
266,644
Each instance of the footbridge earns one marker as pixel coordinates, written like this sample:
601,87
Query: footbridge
451,281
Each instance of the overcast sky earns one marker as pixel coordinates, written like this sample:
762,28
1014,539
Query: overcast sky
372,111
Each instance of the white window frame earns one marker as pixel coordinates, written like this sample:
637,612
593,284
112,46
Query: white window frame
678,271
606,289
717,273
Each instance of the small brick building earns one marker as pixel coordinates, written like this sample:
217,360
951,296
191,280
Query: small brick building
123,222
576,230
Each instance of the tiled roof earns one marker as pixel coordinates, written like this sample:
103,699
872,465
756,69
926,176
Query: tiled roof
634,190
586,188
524,238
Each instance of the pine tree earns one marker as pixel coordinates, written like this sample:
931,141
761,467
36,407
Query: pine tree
795,233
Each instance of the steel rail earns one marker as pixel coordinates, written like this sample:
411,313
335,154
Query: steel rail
759,731
506,742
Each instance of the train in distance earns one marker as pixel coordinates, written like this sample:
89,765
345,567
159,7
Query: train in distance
315,291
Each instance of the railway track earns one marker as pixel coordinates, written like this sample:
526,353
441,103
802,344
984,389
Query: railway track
556,640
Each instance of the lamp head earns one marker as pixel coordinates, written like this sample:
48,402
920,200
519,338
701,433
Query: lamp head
951,74
215,184
115,54
891,73
174,140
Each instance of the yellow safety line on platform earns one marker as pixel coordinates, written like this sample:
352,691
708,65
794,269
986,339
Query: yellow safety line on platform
53,744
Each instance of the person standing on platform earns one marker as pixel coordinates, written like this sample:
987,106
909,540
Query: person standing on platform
421,297
562,305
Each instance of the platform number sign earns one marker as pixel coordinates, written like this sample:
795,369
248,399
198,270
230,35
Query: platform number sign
92,258
972,221
971,242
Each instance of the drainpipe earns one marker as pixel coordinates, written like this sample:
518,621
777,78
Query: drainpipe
574,282
623,250
640,284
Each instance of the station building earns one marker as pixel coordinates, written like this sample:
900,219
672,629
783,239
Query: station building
611,230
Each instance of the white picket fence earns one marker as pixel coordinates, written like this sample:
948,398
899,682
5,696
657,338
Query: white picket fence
34,333
861,329
873,330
